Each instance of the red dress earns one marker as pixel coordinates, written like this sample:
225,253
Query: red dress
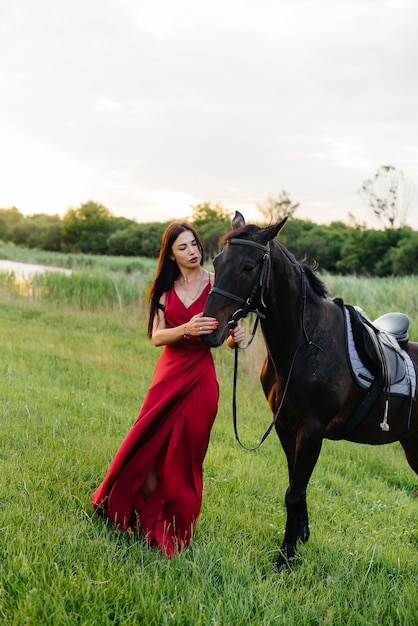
171,434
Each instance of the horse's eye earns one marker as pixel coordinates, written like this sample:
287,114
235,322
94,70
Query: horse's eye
248,268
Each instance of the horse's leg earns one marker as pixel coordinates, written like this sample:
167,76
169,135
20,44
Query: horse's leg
288,441
410,446
307,449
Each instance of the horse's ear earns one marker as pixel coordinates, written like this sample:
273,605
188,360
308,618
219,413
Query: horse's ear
238,221
281,225
270,232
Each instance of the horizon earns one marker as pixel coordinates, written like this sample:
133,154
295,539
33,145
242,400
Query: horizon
157,107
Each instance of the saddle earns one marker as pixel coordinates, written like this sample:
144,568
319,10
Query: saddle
380,343
381,366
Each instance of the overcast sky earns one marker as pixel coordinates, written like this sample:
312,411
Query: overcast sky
150,106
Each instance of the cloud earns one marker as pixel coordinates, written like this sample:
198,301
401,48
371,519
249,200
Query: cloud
226,101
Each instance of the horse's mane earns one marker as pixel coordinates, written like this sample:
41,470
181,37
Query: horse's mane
316,283
249,231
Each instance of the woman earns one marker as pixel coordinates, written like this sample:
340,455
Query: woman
154,483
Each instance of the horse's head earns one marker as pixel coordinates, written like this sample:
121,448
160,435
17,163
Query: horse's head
241,275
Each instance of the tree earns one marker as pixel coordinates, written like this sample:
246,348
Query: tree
404,256
389,195
88,227
209,212
276,208
39,231
8,220
211,221
369,252
137,239
316,243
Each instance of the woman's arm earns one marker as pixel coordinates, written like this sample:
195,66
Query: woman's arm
161,335
195,327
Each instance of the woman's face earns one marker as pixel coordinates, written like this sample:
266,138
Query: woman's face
185,251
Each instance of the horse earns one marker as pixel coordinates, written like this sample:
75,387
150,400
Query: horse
306,375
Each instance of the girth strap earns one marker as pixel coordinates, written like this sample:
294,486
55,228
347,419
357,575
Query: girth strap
360,412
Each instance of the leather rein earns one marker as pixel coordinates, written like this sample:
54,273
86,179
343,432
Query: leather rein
260,283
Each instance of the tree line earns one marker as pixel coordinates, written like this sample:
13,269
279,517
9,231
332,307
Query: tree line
337,248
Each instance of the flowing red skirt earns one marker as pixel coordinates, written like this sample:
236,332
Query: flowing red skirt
171,435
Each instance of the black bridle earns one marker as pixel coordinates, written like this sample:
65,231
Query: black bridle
260,283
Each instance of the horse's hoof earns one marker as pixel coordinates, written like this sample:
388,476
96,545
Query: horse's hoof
282,563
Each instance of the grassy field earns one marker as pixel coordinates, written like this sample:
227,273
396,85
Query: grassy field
74,369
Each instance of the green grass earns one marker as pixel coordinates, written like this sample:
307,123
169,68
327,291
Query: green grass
72,380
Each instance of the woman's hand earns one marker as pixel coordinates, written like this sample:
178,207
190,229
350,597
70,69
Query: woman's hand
236,335
199,325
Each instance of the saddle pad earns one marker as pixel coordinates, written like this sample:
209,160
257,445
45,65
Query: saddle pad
363,376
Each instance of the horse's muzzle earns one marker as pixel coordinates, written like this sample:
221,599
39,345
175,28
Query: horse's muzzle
215,339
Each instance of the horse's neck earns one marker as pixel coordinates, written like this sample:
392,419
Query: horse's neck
282,333
292,308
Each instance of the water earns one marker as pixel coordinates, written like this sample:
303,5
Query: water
25,270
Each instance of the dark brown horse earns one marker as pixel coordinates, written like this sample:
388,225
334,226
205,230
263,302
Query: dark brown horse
306,376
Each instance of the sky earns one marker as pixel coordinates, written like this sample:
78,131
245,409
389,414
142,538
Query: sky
150,107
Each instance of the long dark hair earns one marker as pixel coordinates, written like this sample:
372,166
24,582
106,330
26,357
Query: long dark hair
167,269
